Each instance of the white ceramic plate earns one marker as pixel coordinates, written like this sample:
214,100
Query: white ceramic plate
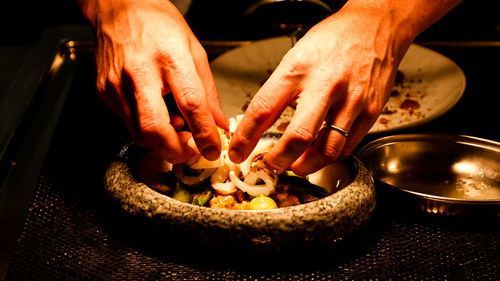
432,81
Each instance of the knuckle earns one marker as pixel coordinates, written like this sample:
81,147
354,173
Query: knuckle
190,100
260,109
331,152
298,64
199,53
276,163
299,57
148,128
203,135
301,137
134,62
165,58
296,72
371,112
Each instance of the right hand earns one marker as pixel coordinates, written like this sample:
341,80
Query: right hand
145,49
341,73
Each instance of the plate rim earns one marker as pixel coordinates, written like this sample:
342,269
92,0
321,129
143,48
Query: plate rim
448,106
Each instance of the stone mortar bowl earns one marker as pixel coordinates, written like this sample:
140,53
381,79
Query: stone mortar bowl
320,222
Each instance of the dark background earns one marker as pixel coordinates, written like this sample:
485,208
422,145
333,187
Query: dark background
63,226
21,22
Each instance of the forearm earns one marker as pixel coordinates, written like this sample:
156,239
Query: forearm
94,10
406,18
385,27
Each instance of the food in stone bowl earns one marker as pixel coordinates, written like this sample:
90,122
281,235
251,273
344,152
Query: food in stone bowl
250,185
246,205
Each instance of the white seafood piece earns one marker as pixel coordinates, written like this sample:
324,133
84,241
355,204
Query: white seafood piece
233,123
262,146
225,188
203,163
254,189
204,174
200,162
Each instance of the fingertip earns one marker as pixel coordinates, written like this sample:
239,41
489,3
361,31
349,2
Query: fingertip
210,152
181,155
345,154
299,168
274,163
308,163
303,170
239,146
207,139
235,155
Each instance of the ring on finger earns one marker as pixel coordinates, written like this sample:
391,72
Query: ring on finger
333,127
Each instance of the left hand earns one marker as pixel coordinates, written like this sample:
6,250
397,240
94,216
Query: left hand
145,49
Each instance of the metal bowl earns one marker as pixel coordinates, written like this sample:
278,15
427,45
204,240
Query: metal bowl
444,174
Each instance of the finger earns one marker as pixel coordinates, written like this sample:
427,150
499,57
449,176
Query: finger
313,105
264,109
369,115
329,144
110,90
166,90
118,99
300,133
325,150
177,122
203,68
189,93
358,131
152,115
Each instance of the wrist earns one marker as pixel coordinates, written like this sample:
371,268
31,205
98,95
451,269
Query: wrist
395,22
97,10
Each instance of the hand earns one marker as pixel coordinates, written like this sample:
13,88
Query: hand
341,72
145,49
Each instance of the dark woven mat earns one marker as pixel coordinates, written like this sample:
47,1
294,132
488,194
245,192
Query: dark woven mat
71,234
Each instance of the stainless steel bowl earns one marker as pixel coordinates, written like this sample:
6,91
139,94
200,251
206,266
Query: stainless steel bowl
444,174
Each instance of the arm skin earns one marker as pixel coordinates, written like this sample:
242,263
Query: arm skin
341,72
145,49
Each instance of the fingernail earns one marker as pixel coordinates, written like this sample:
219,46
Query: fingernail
210,152
235,155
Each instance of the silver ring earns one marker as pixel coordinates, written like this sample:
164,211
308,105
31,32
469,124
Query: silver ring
333,127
